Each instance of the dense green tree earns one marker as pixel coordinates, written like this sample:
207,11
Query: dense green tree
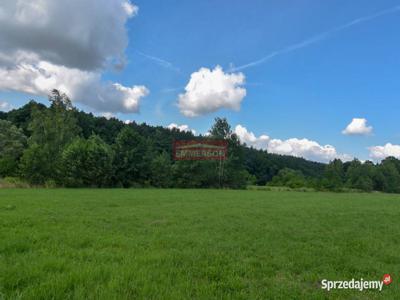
334,177
51,130
35,166
161,171
290,178
133,156
359,176
366,182
3,115
390,175
221,129
87,163
12,144
259,164
22,117
196,174
232,170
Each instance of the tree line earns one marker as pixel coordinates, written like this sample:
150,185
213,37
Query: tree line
342,176
62,146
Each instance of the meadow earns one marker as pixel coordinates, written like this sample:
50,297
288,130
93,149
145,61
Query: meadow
195,244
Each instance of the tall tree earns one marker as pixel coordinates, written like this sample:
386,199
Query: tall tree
161,171
232,170
132,159
12,144
391,175
51,130
334,177
359,176
221,129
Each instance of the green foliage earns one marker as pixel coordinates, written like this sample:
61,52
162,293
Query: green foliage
196,174
87,163
231,171
13,182
22,117
12,144
51,131
221,129
266,165
132,158
35,166
161,171
389,168
142,155
359,176
290,178
334,176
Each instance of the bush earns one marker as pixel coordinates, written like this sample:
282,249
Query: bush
87,163
13,182
50,184
289,178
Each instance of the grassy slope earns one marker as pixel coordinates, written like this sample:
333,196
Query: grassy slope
202,244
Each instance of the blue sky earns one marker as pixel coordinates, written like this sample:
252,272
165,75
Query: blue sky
311,92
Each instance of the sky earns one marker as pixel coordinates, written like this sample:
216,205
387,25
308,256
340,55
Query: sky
314,79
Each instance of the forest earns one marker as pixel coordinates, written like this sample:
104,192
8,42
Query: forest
61,146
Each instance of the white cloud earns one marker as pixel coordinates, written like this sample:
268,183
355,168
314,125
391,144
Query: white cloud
67,45
181,128
5,106
130,9
250,139
210,90
381,152
40,77
305,148
83,34
358,126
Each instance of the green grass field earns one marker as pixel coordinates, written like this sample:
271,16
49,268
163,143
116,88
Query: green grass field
195,244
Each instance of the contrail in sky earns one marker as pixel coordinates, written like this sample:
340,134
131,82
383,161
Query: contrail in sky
317,38
162,62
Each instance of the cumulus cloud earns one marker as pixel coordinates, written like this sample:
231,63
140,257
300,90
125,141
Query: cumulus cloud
39,77
66,45
5,106
82,34
210,90
305,148
250,139
381,152
181,127
358,126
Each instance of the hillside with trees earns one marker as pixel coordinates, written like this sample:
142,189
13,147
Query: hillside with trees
62,146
